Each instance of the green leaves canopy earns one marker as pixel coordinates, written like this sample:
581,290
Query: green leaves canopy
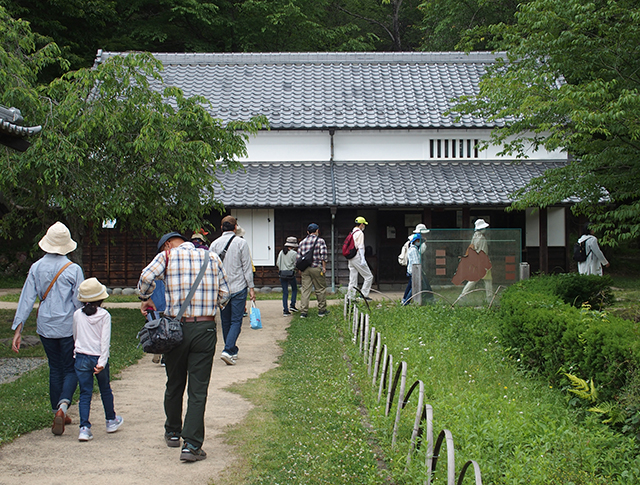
571,82
116,144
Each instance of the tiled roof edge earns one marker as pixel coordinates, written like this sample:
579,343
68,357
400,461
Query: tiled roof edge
317,57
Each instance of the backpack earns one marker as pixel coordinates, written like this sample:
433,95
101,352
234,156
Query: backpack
349,247
580,252
403,257
306,259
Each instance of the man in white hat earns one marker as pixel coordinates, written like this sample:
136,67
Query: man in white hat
54,280
479,244
358,264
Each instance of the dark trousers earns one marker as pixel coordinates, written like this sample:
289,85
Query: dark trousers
62,373
192,359
285,282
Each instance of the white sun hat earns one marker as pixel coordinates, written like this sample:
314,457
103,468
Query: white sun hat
481,224
92,290
58,240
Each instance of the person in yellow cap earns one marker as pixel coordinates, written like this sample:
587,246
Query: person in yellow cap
358,264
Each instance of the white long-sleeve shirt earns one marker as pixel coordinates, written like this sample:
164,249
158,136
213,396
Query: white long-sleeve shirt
358,241
595,259
92,334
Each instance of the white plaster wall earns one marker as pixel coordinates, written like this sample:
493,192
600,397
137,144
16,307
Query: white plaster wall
555,227
363,145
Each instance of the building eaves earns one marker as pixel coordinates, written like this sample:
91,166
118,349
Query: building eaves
379,184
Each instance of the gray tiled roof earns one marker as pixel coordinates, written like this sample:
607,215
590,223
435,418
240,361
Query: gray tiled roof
442,183
11,123
317,90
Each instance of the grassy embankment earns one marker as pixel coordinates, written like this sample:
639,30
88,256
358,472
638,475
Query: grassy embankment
306,427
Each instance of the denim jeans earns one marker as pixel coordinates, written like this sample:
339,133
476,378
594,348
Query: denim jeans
407,291
62,375
231,319
84,370
285,282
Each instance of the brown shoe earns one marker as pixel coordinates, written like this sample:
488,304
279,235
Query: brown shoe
58,423
67,420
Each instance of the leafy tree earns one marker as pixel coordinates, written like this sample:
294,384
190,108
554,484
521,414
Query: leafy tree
116,144
449,25
570,82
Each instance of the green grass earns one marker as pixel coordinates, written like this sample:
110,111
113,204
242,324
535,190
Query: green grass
514,425
24,403
306,427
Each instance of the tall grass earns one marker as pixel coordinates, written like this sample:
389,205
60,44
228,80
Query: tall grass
24,403
514,425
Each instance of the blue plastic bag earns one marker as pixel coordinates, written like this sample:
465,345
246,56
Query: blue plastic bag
254,317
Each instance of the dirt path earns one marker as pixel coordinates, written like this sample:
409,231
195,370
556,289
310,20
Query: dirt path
137,453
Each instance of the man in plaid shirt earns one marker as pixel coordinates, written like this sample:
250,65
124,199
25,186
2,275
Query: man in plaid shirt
314,275
178,263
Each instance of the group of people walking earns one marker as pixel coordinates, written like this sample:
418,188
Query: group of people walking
75,330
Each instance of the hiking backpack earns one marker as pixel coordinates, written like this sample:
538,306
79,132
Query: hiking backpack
580,252
349,247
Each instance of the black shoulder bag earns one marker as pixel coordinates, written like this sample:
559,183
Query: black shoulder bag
306,259
162,335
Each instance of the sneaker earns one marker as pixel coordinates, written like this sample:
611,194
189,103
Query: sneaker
58,422
286,314
322,314
85,434
191,453
114,424
172,439
227,358
303,315
234,357
293,309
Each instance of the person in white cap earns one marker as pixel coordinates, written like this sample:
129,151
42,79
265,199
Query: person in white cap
92,333
54,280
358,264
479,244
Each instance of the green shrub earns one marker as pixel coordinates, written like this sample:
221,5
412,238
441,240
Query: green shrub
533,326
550,336
573,288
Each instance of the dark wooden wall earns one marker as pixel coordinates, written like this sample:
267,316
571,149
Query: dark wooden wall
118,258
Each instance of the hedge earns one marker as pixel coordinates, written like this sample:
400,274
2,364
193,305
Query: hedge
550,335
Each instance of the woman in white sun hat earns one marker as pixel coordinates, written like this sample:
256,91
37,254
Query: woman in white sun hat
54,280
479,244
92,332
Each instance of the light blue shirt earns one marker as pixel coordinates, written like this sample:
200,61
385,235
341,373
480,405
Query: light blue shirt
55,315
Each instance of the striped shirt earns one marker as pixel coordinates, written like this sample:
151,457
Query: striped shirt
184,263
319,253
